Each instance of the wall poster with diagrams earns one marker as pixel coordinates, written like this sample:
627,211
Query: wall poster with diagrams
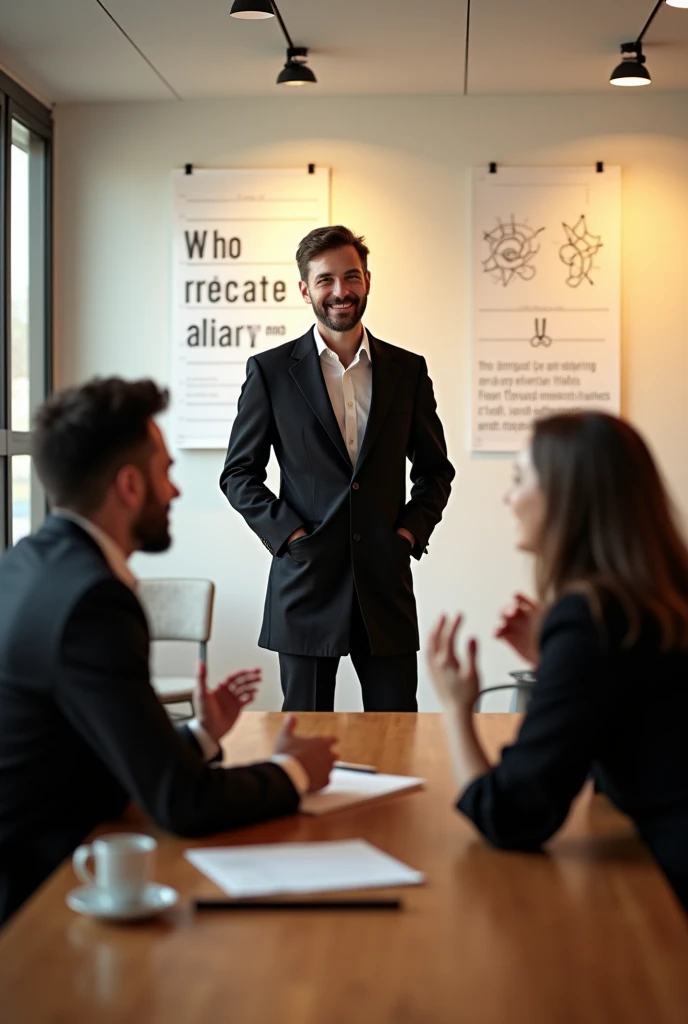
546,297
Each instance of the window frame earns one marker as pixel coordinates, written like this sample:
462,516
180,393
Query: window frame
16,104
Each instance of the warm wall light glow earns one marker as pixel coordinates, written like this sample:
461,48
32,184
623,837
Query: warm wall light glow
677,3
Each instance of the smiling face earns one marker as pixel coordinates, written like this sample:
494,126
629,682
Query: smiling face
337,288
527,503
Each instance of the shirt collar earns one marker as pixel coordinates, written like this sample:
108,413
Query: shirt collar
322,345
112,552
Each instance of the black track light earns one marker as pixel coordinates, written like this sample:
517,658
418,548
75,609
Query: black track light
252,10
296,71
631,70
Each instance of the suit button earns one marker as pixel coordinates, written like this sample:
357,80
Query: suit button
355,486
357,536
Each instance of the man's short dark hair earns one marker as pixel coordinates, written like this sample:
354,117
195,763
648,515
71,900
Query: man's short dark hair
83,436
321,240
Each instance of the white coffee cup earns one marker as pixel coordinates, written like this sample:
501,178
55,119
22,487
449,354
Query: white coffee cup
123,866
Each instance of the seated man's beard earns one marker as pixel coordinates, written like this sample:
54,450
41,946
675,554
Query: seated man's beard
152,528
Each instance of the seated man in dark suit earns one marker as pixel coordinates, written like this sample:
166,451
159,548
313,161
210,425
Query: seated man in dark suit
81,729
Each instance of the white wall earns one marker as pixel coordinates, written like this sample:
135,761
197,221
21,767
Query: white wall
400,174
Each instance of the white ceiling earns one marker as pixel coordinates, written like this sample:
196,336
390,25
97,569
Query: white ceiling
71,51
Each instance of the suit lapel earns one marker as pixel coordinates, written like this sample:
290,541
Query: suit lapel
385,378
307,374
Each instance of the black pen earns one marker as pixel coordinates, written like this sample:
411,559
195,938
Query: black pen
239,904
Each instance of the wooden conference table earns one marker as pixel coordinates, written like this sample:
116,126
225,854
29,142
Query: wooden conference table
588,935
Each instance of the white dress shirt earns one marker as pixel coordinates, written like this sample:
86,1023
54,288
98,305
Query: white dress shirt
350,390
116,559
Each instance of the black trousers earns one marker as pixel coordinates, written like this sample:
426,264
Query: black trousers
388,682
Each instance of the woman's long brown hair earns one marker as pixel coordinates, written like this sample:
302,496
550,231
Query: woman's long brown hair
610,527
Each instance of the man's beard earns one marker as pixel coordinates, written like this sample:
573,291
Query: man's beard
340,322
152,528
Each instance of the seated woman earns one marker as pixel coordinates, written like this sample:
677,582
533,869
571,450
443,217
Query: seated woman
609,634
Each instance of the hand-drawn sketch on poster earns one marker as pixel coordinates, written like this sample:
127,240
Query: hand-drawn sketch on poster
546,297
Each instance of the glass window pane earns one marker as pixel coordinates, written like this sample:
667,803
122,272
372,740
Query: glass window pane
4,534
27,273
21,497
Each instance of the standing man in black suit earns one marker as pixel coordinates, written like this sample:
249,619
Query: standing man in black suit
343,412
81,729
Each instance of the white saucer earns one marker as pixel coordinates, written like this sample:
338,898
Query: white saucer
91,901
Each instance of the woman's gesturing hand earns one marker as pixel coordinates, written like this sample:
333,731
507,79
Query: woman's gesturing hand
456,682
519,625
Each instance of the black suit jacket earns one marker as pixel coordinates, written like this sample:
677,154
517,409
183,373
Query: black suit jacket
597,707
351,513
81,730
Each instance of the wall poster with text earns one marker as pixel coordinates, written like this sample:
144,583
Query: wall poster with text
235,285
546,297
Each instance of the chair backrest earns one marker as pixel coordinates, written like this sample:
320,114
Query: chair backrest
178,609
521,693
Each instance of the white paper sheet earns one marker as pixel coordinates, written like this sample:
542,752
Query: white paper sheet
276,868
347,788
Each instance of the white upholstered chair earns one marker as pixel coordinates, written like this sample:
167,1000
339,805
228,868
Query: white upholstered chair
178,609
